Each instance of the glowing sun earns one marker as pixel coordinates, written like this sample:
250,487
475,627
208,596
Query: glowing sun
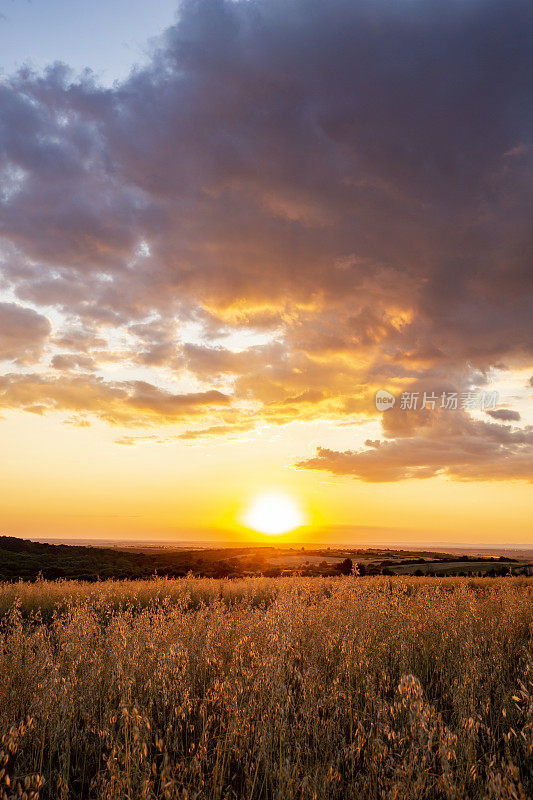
273,513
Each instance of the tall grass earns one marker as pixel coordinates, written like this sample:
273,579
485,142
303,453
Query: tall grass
268,688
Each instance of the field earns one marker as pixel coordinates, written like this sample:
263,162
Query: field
338,687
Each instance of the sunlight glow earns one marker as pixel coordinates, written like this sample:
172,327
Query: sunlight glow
273,513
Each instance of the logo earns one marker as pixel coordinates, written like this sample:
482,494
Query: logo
384,400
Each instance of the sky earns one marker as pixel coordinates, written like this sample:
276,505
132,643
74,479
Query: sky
225,225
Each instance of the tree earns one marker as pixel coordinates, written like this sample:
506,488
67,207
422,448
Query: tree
345,567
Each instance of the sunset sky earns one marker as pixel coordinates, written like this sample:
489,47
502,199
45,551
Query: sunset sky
224,226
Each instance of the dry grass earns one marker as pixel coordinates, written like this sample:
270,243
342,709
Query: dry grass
268,688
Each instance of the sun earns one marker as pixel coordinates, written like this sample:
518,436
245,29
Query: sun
273,513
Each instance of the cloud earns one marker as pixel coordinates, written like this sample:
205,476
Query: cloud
350,180
504,414
268,146
213,431
117,402
218,430
457,447
23,333
68,361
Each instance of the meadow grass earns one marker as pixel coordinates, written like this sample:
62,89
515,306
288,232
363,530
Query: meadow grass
267,688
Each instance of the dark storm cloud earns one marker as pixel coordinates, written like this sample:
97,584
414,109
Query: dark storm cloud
354,176
280,140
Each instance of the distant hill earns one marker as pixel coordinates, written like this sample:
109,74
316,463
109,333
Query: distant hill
24,559
20,558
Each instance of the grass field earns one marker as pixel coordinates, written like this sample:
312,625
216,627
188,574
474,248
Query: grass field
268,688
